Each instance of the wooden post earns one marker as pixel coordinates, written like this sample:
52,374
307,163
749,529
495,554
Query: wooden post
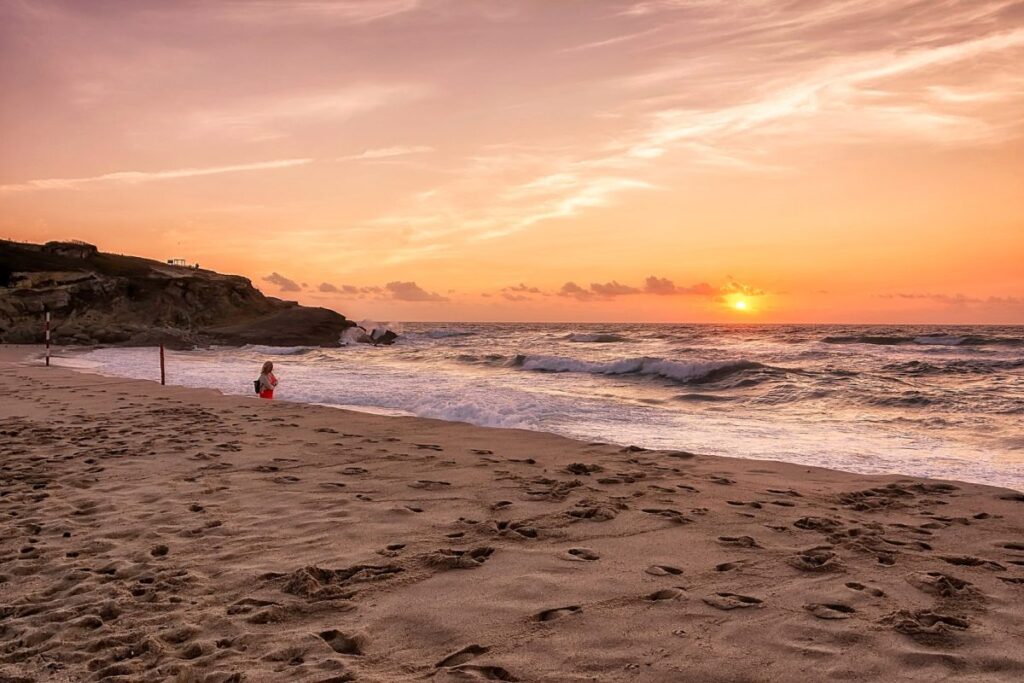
46,333
163,377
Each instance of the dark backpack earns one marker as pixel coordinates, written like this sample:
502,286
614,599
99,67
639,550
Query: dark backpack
256,385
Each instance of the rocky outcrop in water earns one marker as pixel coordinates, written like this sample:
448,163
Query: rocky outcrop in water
99,298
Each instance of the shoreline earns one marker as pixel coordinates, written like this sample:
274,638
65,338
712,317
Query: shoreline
184,534
850,447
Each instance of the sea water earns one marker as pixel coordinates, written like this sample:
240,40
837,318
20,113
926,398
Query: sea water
927,401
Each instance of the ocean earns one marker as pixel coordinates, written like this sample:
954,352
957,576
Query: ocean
924,401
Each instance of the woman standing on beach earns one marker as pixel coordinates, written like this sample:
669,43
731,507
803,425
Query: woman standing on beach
267,380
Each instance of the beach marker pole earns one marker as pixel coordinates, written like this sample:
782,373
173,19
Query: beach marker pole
46,333
163,378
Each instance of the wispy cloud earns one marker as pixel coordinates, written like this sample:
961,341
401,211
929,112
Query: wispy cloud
136,177
271,117
958,299
352,12
387,153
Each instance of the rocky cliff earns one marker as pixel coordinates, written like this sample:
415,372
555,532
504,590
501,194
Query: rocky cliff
98,298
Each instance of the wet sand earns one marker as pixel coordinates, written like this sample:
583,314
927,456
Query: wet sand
159,533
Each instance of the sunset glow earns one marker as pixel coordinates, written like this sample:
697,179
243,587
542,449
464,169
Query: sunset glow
619,160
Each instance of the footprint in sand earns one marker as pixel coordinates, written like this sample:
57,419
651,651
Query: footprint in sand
344,644
582,469
820,559
483,672
665,594
428,447
462,656
557,613
830,610
581,554
460,559
727,601
877,592
593,513
822,524
942,585
927,626
663,570
668,513
429,484
786,492
969,561
738,541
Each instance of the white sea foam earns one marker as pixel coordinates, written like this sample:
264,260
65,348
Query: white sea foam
277,350
939,340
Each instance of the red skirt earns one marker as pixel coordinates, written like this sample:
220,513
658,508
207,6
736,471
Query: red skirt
267,393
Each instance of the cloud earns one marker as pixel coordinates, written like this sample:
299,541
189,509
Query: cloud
522,288
135,177
282,283
410,291
268,118
612,289
734,287
665,287
571,289
341,12
658,286
387,153
349,290
959,299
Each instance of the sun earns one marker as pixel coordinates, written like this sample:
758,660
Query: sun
740,305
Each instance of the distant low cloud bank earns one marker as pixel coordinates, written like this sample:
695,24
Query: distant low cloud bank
658,286
282,283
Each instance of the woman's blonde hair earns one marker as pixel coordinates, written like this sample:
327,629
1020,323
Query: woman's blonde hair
268,367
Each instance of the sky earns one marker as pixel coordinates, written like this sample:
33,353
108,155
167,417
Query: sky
854,161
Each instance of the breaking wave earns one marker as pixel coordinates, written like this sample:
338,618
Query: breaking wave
686,373
924,340
445,333
596,338
279,350
955,367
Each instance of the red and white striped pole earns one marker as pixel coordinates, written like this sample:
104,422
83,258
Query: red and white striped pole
46,333
163,378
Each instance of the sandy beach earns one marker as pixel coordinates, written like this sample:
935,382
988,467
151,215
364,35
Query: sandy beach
159,533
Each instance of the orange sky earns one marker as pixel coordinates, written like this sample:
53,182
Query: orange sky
592,160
